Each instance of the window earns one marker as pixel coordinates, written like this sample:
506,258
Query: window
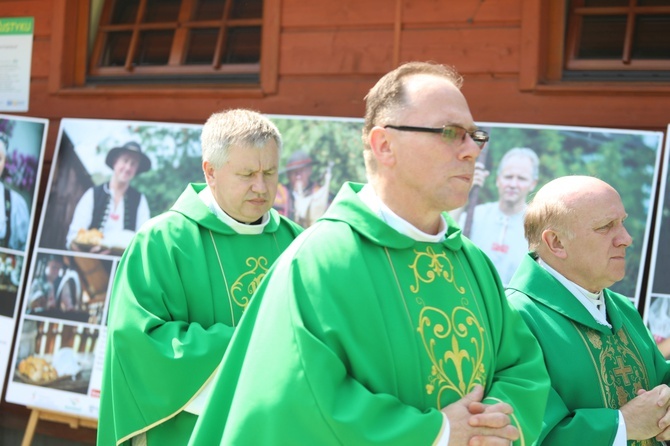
617,39
178,41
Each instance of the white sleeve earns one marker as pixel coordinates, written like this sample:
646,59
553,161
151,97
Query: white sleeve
20,220
143,213
443,438
82,217
620,439
198,403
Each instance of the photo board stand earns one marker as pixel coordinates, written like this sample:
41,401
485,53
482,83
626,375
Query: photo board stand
37,414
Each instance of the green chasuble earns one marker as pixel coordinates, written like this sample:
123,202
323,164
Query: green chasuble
359,335
180,289
594,370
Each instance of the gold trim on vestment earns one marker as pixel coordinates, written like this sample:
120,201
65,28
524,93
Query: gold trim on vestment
255,263
437,328
614,380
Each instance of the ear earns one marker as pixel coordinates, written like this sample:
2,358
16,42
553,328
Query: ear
381,147
208,170
552,240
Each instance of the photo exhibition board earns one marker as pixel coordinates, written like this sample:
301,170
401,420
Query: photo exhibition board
22,142
74,264
657,298
58,359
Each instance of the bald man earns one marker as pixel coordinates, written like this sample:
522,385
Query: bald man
613,389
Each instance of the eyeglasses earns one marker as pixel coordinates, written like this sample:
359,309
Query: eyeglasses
450,133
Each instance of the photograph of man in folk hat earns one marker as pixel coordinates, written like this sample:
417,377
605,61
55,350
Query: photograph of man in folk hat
300,198
107,215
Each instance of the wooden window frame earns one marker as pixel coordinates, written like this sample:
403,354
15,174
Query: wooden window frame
543,28
626,63
69,58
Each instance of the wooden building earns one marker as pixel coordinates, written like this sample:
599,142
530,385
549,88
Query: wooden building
602,63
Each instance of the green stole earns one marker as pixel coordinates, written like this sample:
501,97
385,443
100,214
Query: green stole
440,298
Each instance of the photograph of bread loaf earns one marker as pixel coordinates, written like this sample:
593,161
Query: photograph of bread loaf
38,370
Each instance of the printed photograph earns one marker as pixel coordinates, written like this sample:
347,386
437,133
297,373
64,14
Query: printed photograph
11,268
657,300
72,288
55,355
318,156
519,159
21,146
111,176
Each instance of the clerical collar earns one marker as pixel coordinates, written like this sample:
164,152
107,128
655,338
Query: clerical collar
368,196
254,228
593,302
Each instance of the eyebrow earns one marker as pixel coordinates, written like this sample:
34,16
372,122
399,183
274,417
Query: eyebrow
254,170
609,219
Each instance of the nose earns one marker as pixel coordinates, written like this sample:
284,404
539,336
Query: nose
469,148
259,186
624,238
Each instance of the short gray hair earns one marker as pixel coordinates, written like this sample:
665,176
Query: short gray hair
522,151
235,127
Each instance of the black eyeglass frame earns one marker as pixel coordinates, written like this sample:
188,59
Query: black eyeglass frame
479,136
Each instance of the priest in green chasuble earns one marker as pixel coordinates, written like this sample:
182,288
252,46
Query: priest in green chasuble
381,324
608,378
185,280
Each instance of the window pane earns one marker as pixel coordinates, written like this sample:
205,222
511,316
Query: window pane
116,49
602,37
652,2
154,48
597,3
162,11
125,11
243,45
247,9
652,39
201,46
208,9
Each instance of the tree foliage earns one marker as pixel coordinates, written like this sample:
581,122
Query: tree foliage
329,142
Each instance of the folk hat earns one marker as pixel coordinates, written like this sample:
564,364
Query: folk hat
297,160
129,147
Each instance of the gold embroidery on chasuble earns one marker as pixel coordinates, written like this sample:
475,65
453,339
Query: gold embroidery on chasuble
247,283
617,363
454,339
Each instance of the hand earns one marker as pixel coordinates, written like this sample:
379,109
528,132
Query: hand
480,175
646,415
99,249
473,423
664,422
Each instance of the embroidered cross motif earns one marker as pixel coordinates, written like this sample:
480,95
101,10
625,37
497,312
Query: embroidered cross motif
623,371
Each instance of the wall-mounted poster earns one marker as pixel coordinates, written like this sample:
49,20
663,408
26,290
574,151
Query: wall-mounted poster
59,357
519,159
22,142
657,299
